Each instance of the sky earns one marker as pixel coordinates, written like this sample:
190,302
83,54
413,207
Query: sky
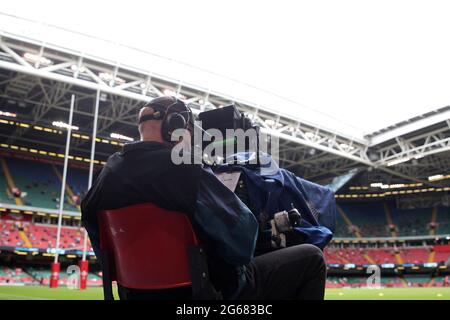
361,65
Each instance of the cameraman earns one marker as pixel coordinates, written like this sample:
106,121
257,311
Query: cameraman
143,172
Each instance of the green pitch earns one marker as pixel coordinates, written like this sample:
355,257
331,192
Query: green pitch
45,293
389,294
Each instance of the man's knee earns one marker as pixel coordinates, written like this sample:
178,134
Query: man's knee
314,253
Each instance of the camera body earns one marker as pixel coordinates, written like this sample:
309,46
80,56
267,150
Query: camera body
228,117
287,220
230,122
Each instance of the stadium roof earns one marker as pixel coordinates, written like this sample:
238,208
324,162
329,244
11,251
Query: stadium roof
312,144
347,67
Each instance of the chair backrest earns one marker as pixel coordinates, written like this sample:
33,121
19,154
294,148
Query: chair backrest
148,245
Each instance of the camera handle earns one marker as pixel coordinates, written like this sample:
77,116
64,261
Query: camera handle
283,222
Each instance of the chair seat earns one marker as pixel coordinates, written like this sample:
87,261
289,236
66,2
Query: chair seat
148,246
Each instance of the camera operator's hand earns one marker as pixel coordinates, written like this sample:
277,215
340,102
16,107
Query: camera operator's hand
282,225
278,239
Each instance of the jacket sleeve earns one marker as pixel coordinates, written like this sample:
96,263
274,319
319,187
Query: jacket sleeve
225,219
89,208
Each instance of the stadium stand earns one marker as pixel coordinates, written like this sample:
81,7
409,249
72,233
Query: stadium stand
411,222
416,255
369,218
441,253
5,195
389,282
39,276
342,228
42,276
10,234
443,220
16,275
39,235
417,280
382,256
358,282
36,180
44,236
40,183
78,180
94,279
438,281
345,256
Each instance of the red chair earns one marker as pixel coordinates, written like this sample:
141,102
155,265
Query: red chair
147,247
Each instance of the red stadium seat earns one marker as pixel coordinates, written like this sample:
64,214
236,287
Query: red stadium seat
147,247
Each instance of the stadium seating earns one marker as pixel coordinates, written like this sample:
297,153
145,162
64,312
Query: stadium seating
342,229
438,281
37,180
382,256
369,217
416,255
40,184
345,256
41,275
417,280
391,282
443,219
441,253
9,234
16,275
40,235
358,282
94,279
77,180
405,281
44,236
411,222
4,190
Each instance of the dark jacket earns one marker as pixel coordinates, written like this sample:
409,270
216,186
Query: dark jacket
143,172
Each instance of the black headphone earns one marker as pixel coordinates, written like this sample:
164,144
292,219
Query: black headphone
171,120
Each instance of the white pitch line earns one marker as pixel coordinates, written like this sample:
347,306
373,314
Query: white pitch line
7,296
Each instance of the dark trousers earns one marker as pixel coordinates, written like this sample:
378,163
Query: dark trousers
294,273
297,272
